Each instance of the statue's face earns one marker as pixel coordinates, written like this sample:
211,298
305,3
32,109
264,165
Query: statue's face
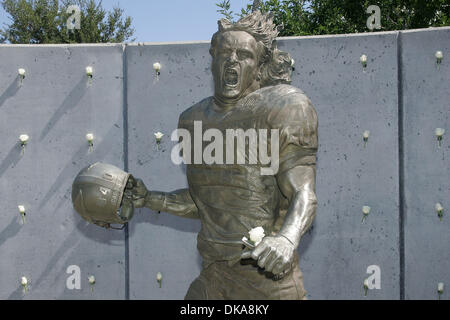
235,65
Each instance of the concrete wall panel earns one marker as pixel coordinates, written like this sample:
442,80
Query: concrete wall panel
161,242
335,254
56,108
426,103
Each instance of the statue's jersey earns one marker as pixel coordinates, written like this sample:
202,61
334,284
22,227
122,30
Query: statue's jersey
234,198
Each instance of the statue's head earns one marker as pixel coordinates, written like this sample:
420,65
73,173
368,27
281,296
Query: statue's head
246,58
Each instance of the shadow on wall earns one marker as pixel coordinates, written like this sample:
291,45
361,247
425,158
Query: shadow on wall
12,158
17,295
145,215
69,102
71,241
10,91
110,237
9,231
166,220
65,179
72,168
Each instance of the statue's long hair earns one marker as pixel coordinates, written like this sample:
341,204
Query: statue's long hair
276,65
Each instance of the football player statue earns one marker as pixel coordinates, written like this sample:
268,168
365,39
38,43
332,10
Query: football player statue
251,91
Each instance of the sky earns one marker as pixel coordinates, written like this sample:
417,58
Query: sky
168,20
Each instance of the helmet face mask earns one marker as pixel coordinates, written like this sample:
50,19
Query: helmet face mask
97,194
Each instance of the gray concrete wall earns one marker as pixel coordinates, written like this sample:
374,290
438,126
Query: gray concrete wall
400,173
56,108
336,253
162,242
426,106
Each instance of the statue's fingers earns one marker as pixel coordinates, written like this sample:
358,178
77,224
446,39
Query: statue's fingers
139,183
128,193
140,187
259,250
272,263
265,259
247,254
127,210
132,180
137,196
280,266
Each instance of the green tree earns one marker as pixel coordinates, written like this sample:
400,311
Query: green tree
313,17
45,21
224,9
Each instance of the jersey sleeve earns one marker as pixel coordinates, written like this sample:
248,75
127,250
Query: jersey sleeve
296,121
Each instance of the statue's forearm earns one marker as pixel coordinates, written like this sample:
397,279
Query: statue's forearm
300,215
178,203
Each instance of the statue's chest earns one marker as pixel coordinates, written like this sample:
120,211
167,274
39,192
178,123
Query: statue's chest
246,115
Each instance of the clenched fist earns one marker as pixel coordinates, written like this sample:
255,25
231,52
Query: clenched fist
274,254
133,197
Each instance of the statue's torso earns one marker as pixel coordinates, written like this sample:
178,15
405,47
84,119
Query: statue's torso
234,198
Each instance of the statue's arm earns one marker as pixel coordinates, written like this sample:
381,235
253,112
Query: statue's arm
275,253
297,123
296,177
178,202
298,185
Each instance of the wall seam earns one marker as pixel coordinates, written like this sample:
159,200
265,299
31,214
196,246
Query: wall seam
125,164
401,167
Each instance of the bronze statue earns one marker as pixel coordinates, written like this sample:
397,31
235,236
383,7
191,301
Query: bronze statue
252,91
251,79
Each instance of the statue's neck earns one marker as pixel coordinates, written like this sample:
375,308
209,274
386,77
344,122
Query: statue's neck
226,104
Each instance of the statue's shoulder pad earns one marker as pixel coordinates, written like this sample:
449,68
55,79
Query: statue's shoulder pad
287,102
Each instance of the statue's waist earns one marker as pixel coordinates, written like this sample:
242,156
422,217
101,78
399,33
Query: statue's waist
233,192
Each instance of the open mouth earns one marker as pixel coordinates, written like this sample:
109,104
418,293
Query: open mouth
230,77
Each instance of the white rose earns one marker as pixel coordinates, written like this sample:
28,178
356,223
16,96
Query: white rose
440,287
91,279
24,281
439,55
89,71
366,134
256,235
22,72
439,132
21,209
90,137
366,210
363,59
439,207
158,135
157,66
24,138
159,278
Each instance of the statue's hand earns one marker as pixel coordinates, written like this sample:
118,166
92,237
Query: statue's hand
274,254
135,192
